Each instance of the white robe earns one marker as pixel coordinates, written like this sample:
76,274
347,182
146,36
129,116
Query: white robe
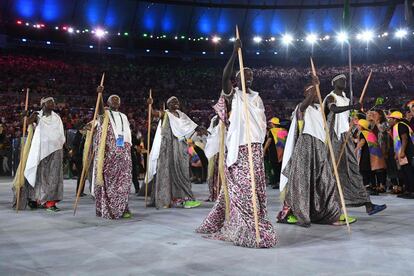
182,127
341,119
236,134
116,124
213,139
48,137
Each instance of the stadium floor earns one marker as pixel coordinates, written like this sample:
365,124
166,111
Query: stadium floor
163,242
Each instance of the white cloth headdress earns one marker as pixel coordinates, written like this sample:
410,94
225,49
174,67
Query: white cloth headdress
112,96
171,98
45,100
245,68
338,77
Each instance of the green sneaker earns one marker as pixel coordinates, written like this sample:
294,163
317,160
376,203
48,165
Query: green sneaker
350,219
127,215
53,209
191,204
291,219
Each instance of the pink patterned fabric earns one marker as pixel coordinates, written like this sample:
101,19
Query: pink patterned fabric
240,229
112,198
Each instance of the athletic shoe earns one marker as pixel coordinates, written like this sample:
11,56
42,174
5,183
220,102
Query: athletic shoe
53,209
376,209
191,204
127,215
350,219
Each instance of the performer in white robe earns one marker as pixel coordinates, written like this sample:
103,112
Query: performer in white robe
169,160
44,167
337,109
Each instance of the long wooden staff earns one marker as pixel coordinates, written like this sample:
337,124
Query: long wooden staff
86,166
331,152
221,174
22,143
348,133
148,147
249,145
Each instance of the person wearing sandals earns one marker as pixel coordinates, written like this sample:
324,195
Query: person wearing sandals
44,167
168,170
308,187
337,109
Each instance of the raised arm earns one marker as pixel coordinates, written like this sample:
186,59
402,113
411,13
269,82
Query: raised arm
101,106
228,70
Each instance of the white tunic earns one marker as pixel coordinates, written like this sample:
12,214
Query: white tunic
117,124
341,119
236,134
48,137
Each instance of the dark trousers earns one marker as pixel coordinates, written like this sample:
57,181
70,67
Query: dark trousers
79,168
407,173
135,174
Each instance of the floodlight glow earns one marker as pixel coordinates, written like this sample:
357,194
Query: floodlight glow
342,37
203,53
232,39
311,38
401,33
216,39
24,39
166,51
257,53
257,39
90,47
272,38
275,53
148,50
221,53
70,30
389,47
48,42
287,39
56,28
366,36
109,48
99,33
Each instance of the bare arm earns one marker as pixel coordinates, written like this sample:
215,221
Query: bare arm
228,70
101,106
267,145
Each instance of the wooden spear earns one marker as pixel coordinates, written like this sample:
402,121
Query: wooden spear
348,133
331,152
22,143
148,147
249,145
85,168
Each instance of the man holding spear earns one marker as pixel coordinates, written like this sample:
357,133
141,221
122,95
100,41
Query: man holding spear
247,225
44,167
337,109
113,165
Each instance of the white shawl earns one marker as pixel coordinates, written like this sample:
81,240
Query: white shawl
213,139
341,119
117,125
237,129
48,137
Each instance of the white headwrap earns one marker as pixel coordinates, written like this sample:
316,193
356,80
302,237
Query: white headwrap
245,68
171,98
45,100
112,96
341,76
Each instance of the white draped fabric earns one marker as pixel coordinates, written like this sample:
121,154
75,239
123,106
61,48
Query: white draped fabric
341,119
48,137
236,134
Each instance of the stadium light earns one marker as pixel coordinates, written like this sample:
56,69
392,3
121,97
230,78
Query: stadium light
287,39
232,39
342,37
70,30
257,39
24,39
166,51
109,48
216,39
366,36
272,38
221,53
311,38
90,46
99,33
401,33
48,42
257,53
203,53
148,50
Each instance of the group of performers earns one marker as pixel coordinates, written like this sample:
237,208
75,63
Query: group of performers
298,159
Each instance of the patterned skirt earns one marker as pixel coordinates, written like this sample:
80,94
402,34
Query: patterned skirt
240,229
311,193
112,197
213,181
